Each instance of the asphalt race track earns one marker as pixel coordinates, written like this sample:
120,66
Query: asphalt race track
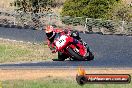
27,35
110,50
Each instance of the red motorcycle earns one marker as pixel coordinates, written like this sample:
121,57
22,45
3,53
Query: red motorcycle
72,48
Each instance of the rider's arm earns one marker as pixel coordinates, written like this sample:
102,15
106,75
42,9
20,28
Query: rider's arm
51,46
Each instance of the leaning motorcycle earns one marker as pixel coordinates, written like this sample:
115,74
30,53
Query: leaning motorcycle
72,48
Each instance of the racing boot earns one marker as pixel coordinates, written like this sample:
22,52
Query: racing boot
61,57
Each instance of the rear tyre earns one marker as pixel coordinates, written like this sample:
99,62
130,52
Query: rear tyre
90,56
75,55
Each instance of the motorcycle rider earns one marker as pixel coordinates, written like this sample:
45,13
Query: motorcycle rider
53,33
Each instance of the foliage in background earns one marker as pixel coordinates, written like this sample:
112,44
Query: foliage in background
87,8
33,5
100,14
76,11
121,11
73,21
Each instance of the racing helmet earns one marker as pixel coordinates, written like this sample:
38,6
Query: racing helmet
50,31
75,34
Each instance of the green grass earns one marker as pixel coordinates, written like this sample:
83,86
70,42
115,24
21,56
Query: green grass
19,52
57,83
7,53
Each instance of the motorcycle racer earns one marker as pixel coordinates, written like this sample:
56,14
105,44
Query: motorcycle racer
53,33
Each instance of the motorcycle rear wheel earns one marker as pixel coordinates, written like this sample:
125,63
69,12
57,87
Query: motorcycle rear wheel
90,57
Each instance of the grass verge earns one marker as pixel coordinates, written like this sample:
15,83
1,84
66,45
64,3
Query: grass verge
57,83
11,51
54,78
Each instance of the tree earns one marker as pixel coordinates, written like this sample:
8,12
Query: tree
74,7
96,9
88,8
32,5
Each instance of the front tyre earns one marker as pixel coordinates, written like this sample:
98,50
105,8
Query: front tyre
90,55
74,54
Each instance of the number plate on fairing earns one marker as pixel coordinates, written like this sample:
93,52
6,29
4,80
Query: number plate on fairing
61,41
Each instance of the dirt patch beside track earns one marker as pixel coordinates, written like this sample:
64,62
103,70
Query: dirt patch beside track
58,73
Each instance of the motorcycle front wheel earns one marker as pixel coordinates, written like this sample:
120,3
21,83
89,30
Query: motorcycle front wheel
75,55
